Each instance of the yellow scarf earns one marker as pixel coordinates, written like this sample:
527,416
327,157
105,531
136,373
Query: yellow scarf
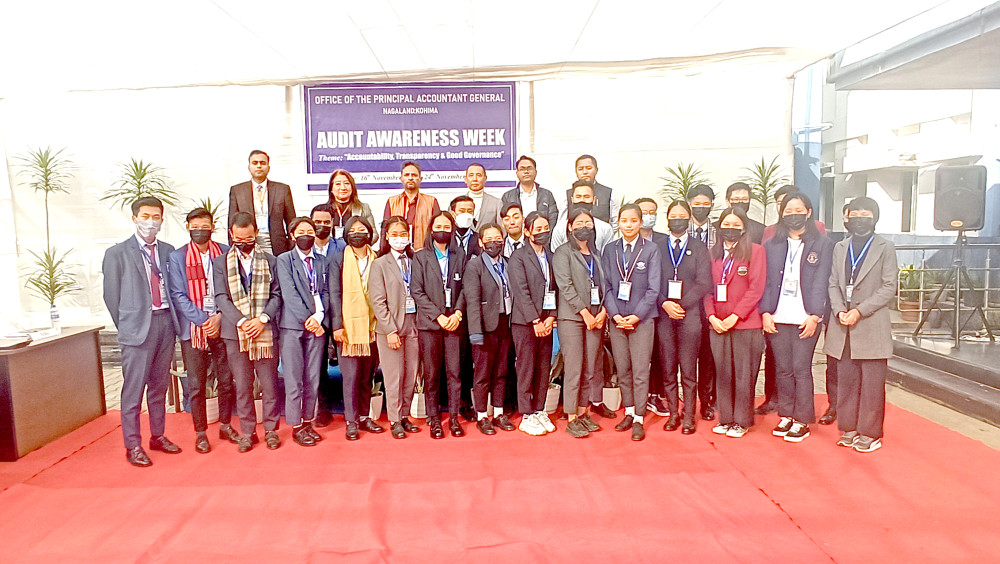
359,319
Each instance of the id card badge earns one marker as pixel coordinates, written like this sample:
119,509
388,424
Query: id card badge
209,303
549,300
595,296
848,292
447,297
338,232
721,291
624,290
674,289
789,287
411,306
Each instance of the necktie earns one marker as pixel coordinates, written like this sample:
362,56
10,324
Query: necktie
403,269
677,247
516,245
154,278
628,253
701,235
309,269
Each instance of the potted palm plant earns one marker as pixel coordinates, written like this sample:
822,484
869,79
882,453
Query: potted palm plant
909,292
418,408
554,390
764,180
377,400
212,399
680,179
612,392
139,179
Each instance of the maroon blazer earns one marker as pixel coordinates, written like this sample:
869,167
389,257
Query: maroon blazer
745,287
280,211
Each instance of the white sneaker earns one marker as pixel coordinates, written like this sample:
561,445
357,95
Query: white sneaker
736,431
531,425
784,426
720,429
543,418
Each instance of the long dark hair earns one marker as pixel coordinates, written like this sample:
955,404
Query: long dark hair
355,202
781,230
429,239
743,247
573,214
681,203
383,245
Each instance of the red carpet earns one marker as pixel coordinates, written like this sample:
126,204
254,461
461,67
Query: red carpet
929,495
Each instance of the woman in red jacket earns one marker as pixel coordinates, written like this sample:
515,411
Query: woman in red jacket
739,274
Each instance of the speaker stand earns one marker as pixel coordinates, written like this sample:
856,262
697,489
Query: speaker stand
959,277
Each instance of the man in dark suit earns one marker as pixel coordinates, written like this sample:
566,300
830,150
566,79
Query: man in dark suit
135,293
270,203
463,208
192,291
607,206
248,295
529,195
738,196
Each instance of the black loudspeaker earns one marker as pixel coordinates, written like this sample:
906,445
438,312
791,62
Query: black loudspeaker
960,198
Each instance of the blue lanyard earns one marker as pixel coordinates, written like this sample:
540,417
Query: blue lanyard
677,261
310,273
861,256
727,267
590,267
444,269
153,267
498,267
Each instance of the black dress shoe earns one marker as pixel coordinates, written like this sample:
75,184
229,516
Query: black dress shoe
245,445
352,431
408,426
201,444
137,457
673,423
829,417
503,422
768,406
624,425
602,410
468,413
456,427
638,431
369,424
163,444
323,419
689,428
437,432
708,413
254,439
316,437
302,437
271,439
227,433
485,427
398,432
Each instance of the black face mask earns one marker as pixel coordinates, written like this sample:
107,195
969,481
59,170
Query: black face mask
730,234
201,236
861,226
678,226
745,206
585,206
493,248
441,236
305,242
356,239
584,233
323,231
245,247
701,213
794,221
542,239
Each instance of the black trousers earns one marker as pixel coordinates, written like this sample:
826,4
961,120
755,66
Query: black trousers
679,344
533,365
197,363
737,361
861,393
244,371
325,391
490,375
793,372
441,351
356,374
770,374
467,370
706,367
831,381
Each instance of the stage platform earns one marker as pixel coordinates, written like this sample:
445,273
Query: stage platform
929,495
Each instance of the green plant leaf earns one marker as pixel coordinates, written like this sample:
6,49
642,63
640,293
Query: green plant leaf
680,179
49,277
139,179
764,180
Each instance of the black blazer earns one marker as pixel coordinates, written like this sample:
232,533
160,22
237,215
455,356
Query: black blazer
602,210
527,284
643,299
224,298
695,271
814,279
545,201
427,288
483,297
756,230
280,211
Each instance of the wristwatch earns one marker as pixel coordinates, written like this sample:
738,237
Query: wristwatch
264,318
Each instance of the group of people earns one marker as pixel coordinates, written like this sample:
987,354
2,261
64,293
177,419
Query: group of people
470,297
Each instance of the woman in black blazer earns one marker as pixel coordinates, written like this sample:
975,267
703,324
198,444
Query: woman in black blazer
532,322
686,279
437,291
796,296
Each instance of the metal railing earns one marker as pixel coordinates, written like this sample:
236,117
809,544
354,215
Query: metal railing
924,268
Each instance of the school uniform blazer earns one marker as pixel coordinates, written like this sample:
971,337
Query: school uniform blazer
177,286
815,258
483,296
490,212
280,210
573,280
695,271
874,288
545,201
527,284
387,294
427,287
645,279
297,303
127,291
224,298
745,287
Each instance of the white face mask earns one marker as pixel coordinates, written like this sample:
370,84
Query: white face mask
148,228
398,244
464,220
648,220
